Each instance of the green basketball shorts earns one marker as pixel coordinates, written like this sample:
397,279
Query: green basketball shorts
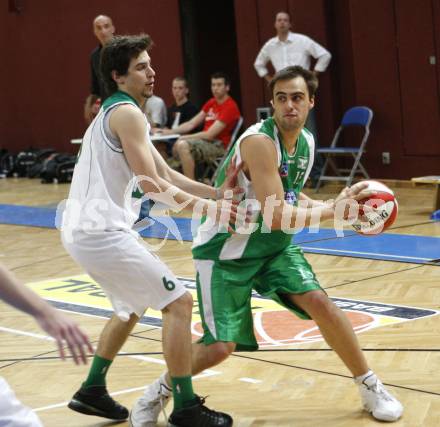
224,290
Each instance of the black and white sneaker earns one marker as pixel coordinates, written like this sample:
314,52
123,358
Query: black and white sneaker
199,415
95,400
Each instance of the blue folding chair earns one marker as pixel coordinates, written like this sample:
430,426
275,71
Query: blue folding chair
356,116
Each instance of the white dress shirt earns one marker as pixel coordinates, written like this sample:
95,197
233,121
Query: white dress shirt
296,50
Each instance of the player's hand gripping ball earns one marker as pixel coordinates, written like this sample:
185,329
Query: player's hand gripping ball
377,212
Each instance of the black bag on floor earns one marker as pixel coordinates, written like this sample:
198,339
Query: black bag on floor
58,168
24,161
42,155
7,163
65,170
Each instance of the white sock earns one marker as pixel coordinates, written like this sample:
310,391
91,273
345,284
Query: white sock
166,389
361,378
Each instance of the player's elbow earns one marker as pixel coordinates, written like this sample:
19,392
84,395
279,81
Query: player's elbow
150,184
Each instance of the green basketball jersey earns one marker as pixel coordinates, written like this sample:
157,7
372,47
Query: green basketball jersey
258,241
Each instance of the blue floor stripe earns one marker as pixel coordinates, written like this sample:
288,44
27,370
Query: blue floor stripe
386,246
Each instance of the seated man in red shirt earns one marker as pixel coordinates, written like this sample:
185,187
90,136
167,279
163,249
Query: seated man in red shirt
220,114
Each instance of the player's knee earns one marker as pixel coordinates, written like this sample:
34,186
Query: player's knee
182,306
221,351
319,305
186,302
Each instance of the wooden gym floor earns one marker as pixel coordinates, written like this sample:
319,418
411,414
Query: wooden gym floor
302,385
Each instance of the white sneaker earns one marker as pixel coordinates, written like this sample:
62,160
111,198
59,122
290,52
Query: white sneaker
377,400
146,410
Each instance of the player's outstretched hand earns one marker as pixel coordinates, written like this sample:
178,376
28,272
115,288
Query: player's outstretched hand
346,201
66,332
357,192
230,185
55,323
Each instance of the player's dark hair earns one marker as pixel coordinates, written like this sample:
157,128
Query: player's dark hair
293,72
117,54
221,75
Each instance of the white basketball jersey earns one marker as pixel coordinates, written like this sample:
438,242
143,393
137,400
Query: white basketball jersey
101,193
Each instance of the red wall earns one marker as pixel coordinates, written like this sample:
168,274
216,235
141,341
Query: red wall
374,76
47,64
4,75
45,68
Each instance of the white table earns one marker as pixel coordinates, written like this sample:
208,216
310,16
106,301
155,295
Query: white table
160,137
434,180
156,137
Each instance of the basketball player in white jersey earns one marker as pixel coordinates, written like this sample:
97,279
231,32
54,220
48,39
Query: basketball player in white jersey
64,330
97,232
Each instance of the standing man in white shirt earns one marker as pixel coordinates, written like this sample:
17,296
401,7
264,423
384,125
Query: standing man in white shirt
287,49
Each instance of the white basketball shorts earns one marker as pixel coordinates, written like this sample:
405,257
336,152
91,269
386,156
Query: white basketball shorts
133,278
12,412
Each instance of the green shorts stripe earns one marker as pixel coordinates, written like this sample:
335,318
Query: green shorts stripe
204,275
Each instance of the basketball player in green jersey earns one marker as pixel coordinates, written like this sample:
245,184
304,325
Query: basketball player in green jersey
276,157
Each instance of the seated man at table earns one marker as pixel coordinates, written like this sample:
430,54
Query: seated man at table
181,111
219,115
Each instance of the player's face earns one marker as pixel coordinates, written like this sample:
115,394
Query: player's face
282,22
179,89
139,80
218,88
291,103
103,29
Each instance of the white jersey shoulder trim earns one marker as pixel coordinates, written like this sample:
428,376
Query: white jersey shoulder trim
109,110
255,129
311,142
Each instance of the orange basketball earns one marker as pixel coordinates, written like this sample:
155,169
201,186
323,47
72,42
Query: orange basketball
385,210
